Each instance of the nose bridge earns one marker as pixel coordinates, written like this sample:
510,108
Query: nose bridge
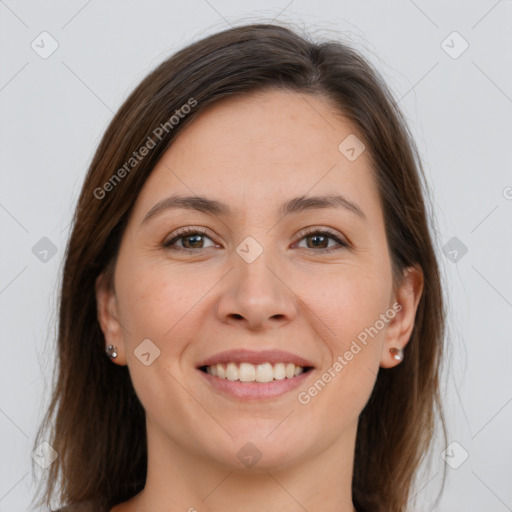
256,291
252,267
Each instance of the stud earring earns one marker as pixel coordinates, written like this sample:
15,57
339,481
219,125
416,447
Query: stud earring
397,353
111,351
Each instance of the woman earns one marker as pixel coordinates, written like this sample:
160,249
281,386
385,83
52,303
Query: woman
251,250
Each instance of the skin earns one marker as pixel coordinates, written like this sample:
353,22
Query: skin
253,153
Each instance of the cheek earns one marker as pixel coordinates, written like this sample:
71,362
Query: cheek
348,308
346,301
156,301
347,313
161,305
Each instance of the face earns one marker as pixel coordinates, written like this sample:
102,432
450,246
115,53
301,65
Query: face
254,275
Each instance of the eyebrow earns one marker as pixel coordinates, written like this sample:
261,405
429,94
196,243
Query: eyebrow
293,206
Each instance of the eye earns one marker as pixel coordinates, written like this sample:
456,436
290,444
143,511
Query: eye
320,239
190,238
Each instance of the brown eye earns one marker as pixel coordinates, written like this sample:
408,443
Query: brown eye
319,239
194,240
190,239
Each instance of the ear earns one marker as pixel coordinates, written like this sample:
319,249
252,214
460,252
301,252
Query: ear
108,318
405,304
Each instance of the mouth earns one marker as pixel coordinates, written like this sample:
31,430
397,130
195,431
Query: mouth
254,383
261,373
243,374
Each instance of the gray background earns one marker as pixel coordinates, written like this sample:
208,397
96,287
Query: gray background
54,110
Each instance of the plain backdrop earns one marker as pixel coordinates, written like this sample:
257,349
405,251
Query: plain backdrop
448,64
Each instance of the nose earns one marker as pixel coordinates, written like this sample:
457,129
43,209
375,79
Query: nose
257,295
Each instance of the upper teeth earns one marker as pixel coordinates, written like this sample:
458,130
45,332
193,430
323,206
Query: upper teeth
247,372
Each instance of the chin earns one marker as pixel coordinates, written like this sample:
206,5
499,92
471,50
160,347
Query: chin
254,453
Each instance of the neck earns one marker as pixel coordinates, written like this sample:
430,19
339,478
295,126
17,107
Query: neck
181,479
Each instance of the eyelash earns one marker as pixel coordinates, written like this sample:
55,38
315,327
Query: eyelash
184,232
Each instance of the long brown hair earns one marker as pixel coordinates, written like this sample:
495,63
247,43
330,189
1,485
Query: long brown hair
95,421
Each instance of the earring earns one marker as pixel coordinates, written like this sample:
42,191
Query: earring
397,353
111,351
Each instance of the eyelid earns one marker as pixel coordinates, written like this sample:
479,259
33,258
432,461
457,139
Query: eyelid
340,239
320,229
183,232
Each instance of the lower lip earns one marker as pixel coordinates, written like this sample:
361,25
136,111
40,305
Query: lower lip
255,390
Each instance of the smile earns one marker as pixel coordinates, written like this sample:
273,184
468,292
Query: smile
251,389
247,372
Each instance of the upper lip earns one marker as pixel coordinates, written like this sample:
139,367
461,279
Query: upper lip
249,356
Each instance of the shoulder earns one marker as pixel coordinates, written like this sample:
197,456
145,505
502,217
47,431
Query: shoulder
83,506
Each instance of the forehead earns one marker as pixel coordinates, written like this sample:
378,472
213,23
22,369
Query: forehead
259,149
